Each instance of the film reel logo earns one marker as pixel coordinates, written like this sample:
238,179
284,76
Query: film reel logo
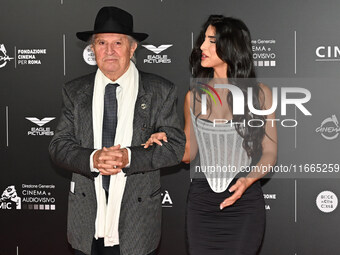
329,128
8,197
3,56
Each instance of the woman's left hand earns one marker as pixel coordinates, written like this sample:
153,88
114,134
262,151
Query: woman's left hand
238,188
156,138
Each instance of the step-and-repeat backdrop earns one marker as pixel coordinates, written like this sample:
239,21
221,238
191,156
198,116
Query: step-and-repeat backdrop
296,44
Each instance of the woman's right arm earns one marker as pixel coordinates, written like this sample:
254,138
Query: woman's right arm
191,143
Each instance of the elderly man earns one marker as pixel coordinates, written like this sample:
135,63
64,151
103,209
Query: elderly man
114,201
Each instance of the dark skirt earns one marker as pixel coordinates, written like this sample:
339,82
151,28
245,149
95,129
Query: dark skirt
236,230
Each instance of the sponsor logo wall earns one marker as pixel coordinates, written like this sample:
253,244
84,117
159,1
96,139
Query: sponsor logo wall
327,201
157,57
329,128
22,56
40,130
33,202
30,196
4,58
327,53
268,198
166,199
88,56
264,52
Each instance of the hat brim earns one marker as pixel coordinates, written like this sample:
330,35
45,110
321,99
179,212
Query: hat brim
86,35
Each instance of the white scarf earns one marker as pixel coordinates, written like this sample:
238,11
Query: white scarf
107,220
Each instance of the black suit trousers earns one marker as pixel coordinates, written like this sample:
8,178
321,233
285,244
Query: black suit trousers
98,248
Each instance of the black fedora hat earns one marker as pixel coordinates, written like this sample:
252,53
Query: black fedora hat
112,20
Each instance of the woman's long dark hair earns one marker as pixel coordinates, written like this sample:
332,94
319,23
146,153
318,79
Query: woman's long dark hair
233,46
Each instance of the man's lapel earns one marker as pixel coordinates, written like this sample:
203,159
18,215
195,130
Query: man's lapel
85,111
142,112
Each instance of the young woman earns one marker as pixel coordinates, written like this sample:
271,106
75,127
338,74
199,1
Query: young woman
225,207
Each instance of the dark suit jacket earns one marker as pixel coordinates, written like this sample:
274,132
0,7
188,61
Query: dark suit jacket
72,145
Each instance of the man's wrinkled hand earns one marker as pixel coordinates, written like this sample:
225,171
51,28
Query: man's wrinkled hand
110,160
